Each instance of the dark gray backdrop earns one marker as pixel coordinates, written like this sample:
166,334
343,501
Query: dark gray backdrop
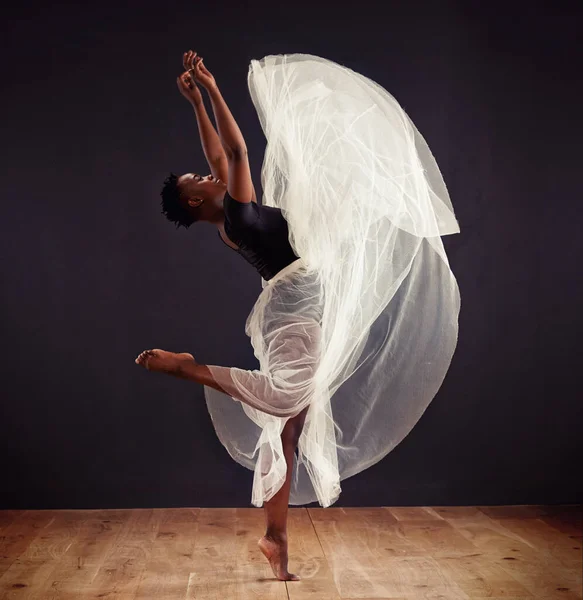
92,274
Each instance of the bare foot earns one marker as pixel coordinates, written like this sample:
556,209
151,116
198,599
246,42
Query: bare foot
276,554
160,360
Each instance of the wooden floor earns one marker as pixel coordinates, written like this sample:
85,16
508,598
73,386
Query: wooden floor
504,553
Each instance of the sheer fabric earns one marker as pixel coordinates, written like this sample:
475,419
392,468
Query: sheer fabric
362,328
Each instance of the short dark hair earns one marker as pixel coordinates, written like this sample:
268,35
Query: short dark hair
171,206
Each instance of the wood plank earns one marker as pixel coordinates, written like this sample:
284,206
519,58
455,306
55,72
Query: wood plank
545,539
121,572
479,576
566,519
378,520
415,513
556,572
72,577
434,538
512,549
26,577
254,576
543,580
370,557
469,514
19,533
228,563
401,553
514,512
567,525
307,559
211,575
170,560
7,517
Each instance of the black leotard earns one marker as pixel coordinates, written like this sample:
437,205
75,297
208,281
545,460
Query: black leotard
262,234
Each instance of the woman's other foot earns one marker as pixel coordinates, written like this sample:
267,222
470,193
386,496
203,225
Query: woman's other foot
163,361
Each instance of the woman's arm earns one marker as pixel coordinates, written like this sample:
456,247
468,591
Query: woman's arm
211,144
239,184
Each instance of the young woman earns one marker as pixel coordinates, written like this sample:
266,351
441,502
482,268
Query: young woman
357,320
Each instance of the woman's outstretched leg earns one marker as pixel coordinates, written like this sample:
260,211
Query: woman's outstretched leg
274,543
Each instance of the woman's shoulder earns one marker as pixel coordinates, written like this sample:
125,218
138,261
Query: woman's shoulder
230,198
241,213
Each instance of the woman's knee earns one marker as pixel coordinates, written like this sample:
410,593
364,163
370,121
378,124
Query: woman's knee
293,429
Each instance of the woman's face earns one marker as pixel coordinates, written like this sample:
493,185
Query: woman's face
196,187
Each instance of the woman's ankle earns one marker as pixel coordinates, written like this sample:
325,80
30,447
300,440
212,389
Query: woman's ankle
279,537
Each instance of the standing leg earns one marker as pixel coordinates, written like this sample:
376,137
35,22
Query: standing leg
274,543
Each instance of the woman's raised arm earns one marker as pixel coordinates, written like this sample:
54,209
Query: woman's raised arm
211,143
239,183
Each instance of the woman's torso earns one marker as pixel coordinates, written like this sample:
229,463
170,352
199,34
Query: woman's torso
258,233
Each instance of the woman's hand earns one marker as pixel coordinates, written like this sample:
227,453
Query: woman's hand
187,85
194,64
189,89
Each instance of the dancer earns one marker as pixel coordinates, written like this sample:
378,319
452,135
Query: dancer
357,321
259,234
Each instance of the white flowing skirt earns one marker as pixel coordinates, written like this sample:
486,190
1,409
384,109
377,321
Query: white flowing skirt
362,328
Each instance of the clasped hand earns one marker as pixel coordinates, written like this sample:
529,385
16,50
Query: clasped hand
195,72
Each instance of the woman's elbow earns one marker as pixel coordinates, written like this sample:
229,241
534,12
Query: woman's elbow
236,152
